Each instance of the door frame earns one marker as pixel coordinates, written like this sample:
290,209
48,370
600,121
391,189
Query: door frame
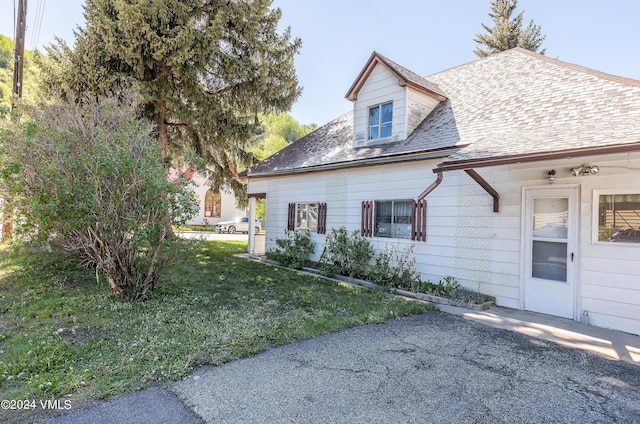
573,238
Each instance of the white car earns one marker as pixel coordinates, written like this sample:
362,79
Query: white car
237,225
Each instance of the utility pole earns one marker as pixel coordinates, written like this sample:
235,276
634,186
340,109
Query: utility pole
18,63
6,225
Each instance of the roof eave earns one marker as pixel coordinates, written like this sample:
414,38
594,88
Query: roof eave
536,157
379,160
376,59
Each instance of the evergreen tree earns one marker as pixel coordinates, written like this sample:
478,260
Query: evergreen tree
204,70
508,33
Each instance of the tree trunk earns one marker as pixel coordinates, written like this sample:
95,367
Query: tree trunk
163,143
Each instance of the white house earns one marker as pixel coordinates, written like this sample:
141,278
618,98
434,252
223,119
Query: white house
213,206
517,173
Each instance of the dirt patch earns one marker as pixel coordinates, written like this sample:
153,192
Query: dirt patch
6,326
78,284
83,335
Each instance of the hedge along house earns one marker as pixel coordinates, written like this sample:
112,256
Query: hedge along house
518,174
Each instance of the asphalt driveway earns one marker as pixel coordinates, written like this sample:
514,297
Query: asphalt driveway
433,368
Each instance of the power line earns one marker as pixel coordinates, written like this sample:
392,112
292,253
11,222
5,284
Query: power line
35,35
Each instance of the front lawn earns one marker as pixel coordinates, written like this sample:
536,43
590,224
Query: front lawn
63,336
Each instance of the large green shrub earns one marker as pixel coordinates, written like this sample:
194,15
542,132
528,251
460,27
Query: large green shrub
88,176
346,254
294,250
395,268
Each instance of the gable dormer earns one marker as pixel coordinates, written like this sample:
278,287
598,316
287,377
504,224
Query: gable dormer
389,101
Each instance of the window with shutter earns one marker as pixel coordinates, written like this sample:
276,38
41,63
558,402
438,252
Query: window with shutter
310,216
405,219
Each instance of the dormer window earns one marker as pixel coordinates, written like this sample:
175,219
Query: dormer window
380,117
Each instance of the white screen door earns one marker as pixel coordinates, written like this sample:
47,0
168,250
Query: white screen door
550,251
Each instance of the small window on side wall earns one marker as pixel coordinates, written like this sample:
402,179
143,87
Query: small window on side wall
310,216
619,218
212,206
405,219
380,121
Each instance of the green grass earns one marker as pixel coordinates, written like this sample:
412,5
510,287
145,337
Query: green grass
63,336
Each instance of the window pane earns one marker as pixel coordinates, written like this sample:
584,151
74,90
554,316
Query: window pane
312,217
550,217
307,216
373,132
208,203
619,218
402,212
374,115
387,112
383,219
549,260
402,219
216,205
385,130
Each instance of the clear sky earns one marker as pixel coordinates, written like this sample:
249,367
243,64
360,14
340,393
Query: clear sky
425,36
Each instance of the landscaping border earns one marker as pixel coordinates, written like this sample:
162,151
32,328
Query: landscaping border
372,286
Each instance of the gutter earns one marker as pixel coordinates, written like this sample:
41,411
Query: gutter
536,157
380,160
469,166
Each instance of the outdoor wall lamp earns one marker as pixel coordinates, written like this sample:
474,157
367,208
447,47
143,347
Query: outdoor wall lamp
585,169
551,176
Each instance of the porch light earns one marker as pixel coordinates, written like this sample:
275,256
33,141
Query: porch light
551,176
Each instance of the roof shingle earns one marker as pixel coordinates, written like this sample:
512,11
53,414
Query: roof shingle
509,104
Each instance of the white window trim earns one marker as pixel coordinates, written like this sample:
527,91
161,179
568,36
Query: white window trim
595,211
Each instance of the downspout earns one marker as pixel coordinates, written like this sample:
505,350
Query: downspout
433,185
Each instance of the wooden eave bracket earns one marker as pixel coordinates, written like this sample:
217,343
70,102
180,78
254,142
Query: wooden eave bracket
487,187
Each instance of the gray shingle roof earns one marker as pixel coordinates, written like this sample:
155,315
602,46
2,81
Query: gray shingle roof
520,103
506,105
332,145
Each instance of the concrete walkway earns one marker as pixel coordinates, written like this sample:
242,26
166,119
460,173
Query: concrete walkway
459,366
608,343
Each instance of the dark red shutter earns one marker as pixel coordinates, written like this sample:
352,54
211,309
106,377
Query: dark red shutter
419,220
291,218
322,218
366,221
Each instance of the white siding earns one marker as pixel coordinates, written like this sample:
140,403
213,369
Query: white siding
466,239
610,272
608,276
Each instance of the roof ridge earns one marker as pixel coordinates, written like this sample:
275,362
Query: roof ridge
580,68
409,75
404,75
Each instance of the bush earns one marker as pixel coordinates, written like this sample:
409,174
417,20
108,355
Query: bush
346,254
89,177
294,250
395,269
